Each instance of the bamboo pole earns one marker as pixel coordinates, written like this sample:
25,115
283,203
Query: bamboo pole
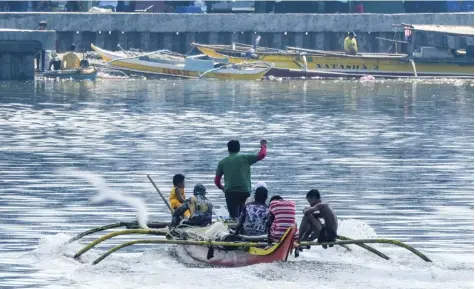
372,241
253,244
127,225
364,246
160,193
180,242
316,225
161,233
118,233
98,229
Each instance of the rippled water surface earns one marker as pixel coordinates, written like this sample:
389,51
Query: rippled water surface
394,159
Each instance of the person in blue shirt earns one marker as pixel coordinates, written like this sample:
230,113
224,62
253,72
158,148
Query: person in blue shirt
254,216
201,209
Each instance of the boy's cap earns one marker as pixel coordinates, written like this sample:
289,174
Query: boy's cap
261,184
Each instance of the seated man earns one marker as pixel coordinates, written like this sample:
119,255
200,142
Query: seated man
201,209
55,62
252,198
350,44
253,218
281,217
311,226
70,59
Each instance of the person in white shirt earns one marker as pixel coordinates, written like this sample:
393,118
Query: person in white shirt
251,198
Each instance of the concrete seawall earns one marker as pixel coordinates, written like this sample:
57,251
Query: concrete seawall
176,32
17,51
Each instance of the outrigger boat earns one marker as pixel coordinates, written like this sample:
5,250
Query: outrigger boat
422,61
167,63
215,245
89,73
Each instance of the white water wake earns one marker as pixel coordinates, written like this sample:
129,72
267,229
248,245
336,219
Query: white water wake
107,193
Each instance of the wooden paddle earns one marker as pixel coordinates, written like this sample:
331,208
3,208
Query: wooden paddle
161,195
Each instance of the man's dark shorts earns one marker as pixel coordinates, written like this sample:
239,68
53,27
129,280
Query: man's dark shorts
326,235
235,202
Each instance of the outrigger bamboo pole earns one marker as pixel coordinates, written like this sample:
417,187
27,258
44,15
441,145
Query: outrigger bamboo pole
118,233
98,229
253,244
316,225
128,225
180,242
372,241
364,246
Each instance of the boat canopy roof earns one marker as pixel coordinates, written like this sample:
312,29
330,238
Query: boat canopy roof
457,30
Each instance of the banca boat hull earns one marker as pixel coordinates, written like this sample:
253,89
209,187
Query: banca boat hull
182,67
89,73
297,62
244,257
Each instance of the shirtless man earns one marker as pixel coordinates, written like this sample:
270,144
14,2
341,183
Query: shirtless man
311,227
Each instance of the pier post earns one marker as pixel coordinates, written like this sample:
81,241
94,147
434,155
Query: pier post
17,51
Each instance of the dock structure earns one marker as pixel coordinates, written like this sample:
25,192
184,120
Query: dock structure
18,49
176,32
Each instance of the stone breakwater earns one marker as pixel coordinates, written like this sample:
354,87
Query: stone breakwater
152,31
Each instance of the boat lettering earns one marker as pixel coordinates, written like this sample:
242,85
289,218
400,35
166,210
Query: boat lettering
175,72
346,66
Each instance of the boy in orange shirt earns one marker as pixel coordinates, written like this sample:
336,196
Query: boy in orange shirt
177,195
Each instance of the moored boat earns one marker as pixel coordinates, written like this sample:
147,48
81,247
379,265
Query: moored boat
166,63
422,61
89,73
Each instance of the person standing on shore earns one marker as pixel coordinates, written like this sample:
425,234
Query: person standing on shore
236,169
40,57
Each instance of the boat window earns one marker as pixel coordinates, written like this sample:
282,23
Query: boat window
217,65
469,51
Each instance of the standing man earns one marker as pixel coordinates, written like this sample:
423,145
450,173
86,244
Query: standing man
236,169
41,55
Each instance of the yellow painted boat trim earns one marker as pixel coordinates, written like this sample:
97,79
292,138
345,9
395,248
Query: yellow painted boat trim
347,64
264,252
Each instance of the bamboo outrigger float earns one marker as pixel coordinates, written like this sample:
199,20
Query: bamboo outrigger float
420,61
228,251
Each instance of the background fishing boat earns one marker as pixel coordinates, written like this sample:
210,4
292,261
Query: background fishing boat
89,73
167,63
421,61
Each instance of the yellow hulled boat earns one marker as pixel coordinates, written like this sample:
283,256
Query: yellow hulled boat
424,62
166,63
